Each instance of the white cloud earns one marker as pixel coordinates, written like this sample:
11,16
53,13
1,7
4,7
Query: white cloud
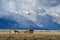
11,6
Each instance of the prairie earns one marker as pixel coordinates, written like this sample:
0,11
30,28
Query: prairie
31,36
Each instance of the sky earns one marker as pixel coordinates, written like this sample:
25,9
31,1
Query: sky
43,13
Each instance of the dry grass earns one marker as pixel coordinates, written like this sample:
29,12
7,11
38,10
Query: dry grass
42,35
32,35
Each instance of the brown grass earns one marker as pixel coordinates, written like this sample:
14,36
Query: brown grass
32,35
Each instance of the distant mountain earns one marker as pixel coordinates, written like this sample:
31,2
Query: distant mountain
21,15
47,22
9,20
14,21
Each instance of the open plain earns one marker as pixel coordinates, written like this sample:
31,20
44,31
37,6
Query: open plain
36,35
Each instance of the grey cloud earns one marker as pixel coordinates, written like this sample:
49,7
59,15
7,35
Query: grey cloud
48,3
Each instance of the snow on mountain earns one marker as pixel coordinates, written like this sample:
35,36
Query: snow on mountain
29,14
9,20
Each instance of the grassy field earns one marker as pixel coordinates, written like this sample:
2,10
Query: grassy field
36,35
30,36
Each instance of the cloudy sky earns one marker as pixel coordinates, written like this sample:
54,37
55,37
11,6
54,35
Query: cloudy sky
40,12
